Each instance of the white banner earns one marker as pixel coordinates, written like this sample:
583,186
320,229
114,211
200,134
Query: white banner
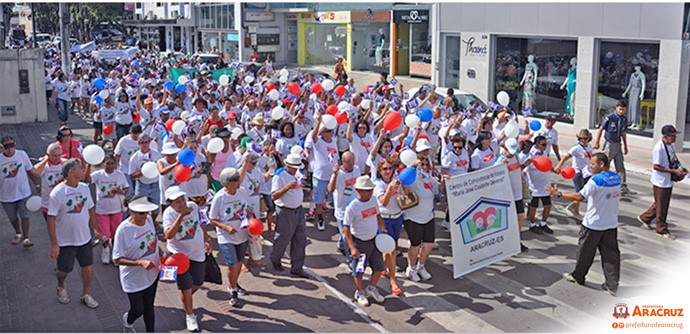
126,54
484,226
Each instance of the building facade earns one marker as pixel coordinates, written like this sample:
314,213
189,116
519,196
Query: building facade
168,25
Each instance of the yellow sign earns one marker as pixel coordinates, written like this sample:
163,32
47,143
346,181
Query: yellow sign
326,17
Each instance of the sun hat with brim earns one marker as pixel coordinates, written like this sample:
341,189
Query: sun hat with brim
258,120
512,146
170,148
141,205
174,193
422,145
364,183
294,160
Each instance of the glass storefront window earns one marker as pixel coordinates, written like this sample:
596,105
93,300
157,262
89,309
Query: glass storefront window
325,43
365,40
216,17
451,75
629,72
539,75
420,50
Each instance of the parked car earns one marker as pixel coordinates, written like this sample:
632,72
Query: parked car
57,39
42,40
465,99
207,57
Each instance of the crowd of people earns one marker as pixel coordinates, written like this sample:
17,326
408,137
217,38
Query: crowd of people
288,148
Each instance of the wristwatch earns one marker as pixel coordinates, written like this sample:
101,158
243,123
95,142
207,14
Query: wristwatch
558,194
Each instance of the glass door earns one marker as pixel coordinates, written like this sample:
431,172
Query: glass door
451,65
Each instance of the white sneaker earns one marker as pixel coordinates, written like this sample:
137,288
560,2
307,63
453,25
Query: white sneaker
412,274
62,294
361,297
192,325
105,255
423,273
373,292
128,328
89,301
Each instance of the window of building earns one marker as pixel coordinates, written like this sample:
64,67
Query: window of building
420,50
538,74
629,72
451,63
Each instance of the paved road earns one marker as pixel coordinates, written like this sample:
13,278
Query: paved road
524,293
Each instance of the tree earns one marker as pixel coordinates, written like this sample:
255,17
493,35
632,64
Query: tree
47,18
87,16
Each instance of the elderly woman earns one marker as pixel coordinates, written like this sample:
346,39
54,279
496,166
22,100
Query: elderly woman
50,171
197,185
138,265
70,146
230,213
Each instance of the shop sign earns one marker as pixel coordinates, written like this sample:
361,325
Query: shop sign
475,45
259,16
129,6
411,16
326,17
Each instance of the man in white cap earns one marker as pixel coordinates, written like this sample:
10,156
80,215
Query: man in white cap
290,221
325,155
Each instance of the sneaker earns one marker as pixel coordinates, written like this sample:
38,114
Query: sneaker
626,191
63,296
607,289
536,229
666,235
571,208
105,255
412,274
423,273
241,291
127,327
89,301
570,278
192,324
17,239
644,225
446,224
373,292
27,243
277,266
523,248
361,298
234,299
320,225
546,228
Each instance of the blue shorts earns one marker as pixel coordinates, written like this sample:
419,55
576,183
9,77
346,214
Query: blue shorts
151,191
394,226
233,254
320,190
579,182
268,201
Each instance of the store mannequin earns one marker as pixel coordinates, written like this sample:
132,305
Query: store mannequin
636,87
380,42
569,83
529,80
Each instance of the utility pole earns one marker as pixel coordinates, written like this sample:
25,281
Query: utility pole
64,36
33,26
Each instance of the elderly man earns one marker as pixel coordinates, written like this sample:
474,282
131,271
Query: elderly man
341,186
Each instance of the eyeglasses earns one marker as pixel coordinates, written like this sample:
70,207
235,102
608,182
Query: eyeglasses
386,168
69,134
8,145
457,147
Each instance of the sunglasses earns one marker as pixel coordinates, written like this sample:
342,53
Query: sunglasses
457,147
8,145
541,144
386,168
145,142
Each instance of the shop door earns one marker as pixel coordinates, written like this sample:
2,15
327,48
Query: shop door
403,49
359,48
451,65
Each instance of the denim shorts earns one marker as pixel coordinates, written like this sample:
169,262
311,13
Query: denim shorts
394,226
320,190
151,191
579,182
16,208
233,254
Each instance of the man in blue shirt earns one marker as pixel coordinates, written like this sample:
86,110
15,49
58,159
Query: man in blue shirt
614,127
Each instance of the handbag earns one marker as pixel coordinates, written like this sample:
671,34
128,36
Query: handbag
408,201
256,252
213,274
674,164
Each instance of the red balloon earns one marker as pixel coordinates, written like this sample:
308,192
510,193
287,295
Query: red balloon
178,260
332,110
542,163
392,121
293,88
270,86
340,90
316,88
136,117
108,129
169,124
183,173
256,227
423,136
568,172
341,117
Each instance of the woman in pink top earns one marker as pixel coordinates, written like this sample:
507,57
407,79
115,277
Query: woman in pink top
220,160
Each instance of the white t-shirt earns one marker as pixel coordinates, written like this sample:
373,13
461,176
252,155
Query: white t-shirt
51,176
105,203
71,207
483,159
456,164
107,115
136,243
125,148
252,183
228,209
14,179
197,185
325,156
189,237
63,89
124,113
379,190
581,155
139,159
659,157
362,218
292,199
514,173
344,190
603,193
537,180
551,136
166,181
425,187
284,145
469,127
361,147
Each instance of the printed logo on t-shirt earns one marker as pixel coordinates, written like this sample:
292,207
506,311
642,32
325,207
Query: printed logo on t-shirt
11,170
488,157
369,212
365,144
461,163
513,167
54,179
331,150
106,190
75,202
187,228
428,185
149,243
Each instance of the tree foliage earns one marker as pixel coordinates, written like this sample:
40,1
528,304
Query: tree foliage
85,17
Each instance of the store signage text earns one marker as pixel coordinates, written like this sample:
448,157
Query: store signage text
411,16
476,50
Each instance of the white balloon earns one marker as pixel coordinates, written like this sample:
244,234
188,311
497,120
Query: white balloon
407,157
274,95
296,150
283,79
184,115
411,121
343,106
512,130
366,103
104,94
249,79
277,113
178,127
503,98
149,170
224,80
215,145
329,122
284,73
33,204
182,80
328,84
93,154
384,243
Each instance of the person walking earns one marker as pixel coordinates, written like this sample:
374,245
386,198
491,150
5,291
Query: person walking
614,127
599,226
664,172
15,190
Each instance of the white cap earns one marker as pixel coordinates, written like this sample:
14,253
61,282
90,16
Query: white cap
422,144
511,144
173,193
169,148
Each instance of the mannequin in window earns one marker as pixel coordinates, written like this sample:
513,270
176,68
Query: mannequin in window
380,42
569,84
529,83
636,87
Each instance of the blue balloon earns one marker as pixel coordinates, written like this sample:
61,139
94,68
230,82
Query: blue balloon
99,83
186,157
301,142
408,142
180,88
135,75
98,99
408,176
135,63
535,125
169,85
425,115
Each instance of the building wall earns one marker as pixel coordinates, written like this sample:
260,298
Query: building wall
30,107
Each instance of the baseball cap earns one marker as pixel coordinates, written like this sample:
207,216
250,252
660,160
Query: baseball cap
232,115
669,130
174,193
